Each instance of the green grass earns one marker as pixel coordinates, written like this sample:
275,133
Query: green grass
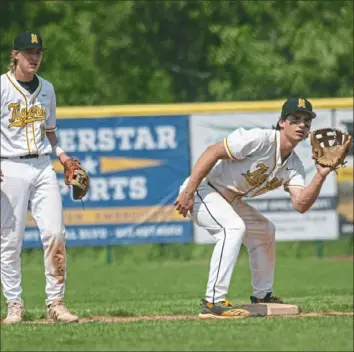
170,280
300,334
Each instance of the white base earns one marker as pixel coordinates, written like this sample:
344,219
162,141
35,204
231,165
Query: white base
271,309
281,309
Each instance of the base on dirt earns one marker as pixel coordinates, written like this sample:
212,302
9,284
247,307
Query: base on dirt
271,309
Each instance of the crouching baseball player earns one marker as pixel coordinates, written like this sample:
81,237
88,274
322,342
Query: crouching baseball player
248,163
28,124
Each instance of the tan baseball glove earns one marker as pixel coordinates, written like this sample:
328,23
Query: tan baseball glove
77,177
330,147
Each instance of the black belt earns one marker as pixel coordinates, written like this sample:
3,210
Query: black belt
28,156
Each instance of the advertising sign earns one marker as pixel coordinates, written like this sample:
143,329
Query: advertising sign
320,222
136,165
345,177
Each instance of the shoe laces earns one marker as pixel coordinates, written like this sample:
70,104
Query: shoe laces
59,306
226,304
269,296
14,309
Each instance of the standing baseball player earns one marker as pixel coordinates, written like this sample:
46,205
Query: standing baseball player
28,124
248,163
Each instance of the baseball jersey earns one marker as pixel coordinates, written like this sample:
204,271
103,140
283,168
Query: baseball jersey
255,166
26,117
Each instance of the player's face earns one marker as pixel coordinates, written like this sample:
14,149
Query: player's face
297,126
28,60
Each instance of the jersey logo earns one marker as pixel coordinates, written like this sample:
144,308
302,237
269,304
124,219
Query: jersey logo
34,38
301,103
273,184
22,117
270,186
258,176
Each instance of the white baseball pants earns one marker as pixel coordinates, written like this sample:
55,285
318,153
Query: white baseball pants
33,183
231,225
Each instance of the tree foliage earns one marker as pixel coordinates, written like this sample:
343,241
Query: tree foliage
154,51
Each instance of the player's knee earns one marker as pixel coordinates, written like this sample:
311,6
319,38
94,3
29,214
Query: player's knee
269,237
236,230
56,235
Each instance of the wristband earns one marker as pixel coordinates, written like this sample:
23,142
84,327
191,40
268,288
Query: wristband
57,150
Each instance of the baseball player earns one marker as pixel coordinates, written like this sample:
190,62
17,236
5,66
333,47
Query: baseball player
247,163
28,125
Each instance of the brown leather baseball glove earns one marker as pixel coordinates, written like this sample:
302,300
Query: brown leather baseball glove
330,147
77,177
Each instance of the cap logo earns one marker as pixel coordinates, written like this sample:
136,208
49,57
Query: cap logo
34,38
301,103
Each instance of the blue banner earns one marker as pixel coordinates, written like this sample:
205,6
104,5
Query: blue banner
136,165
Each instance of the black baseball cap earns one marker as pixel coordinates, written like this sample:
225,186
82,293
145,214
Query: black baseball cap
297,104
28,40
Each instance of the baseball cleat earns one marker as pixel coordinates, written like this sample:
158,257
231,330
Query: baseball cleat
268,298
15,312
221,310
58,312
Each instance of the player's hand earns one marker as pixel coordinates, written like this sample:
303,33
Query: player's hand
184,202
1,175
323,170
63,157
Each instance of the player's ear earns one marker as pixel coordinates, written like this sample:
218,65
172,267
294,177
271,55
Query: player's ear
14,54
281,123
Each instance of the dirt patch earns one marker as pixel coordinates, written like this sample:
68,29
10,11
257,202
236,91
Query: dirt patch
56,255
344,258
106,319
314,314
109,319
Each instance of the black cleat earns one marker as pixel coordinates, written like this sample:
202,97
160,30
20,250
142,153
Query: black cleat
268,298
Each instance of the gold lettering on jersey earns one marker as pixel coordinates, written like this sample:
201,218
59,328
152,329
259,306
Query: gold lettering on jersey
301,103
34,38
22,117
273,184
258,176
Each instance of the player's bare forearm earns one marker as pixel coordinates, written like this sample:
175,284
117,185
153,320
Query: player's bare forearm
52,137
204,164
202,167
53,140
304,199
185,199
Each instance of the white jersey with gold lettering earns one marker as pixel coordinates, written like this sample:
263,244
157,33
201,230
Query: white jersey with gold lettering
255,166
29,182
25,117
